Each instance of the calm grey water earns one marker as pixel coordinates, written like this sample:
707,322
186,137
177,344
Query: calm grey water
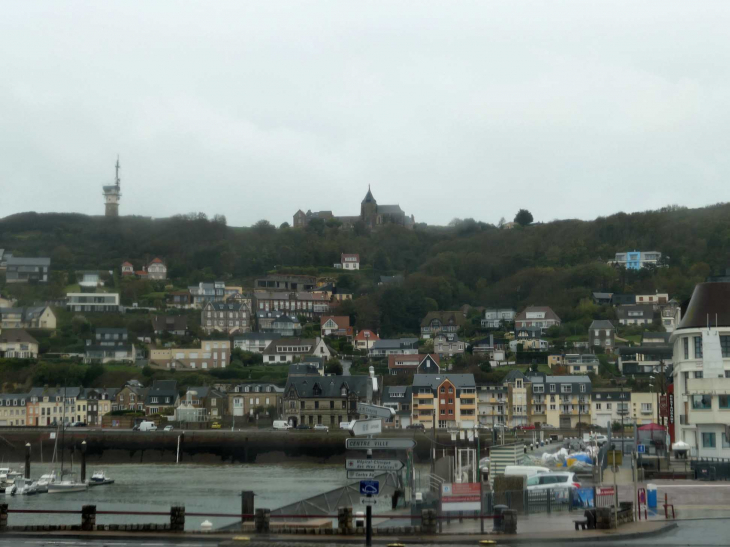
207,489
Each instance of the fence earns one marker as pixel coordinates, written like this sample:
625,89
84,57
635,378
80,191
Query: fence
711,469
550,501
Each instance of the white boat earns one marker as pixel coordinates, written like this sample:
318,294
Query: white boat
24,487
65,486
8,475
45,480
99,478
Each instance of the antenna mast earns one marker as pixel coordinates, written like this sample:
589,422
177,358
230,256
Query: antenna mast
117,175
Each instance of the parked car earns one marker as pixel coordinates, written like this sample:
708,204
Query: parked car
282,425
600,439
304,426
556,480
547,426
78,424
215,425
145,425
321,427
167,428
416,426
526,426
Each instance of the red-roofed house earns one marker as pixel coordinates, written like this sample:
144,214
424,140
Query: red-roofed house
349,262
413,364
127,268
332,325
157,269
365,339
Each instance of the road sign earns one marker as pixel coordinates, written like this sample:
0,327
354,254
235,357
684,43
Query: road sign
375,411
371,488
351,474
366,427
374,465
461,496
640,449
379,444
605,491
368,501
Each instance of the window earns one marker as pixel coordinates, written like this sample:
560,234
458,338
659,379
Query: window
538,389
708,440
725,345
685,343
698,347
701,402
698,374
725,441
552,388
566,388
443,389
598,406
583,386
608,406
725,402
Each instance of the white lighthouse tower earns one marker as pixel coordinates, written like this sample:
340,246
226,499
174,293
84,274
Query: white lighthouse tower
111,196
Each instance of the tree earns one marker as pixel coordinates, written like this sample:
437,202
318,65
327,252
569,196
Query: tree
333,366
283,226
523,217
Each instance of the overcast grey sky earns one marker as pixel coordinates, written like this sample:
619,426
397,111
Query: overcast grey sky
451,109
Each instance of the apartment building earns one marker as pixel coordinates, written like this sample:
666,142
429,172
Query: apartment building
308,304
446,400
13,409
203,293
560,401
246,398
26,270
635,260
701,389
492,402
93,302
211,354
228,317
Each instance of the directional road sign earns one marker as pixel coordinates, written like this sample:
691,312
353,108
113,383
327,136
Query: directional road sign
379,444
640,449
366,427
374,465
360,474
371,488
368,501
375,411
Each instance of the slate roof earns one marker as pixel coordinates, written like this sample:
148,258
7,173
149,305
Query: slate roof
446,318
303,368
549,313
28,261
271,348
169,322
330,386
601,324
224,306
390,209
647,311
162,388
16,335
513,375
389,391
398,343
435,380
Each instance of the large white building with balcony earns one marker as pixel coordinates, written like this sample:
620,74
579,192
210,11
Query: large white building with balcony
701,392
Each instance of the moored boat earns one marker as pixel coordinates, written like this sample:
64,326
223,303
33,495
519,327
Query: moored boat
99,478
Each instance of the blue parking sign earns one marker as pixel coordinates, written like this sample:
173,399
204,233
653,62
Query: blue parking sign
369,488
640,449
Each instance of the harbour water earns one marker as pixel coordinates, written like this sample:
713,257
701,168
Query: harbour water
205,489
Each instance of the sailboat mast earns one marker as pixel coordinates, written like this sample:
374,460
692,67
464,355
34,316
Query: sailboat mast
63,428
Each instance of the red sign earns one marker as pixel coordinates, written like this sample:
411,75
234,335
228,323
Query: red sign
670,391
464,496
605,491
663,406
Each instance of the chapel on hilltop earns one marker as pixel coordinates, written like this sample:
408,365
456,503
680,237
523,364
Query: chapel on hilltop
371,214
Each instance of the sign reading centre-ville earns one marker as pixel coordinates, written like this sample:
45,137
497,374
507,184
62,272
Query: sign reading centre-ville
381,444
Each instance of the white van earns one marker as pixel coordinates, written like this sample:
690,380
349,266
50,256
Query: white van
282,425
524,470
146,425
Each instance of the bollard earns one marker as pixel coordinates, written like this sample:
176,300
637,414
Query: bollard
27,460
3,517
247,504
88,518
83,461
344,519
428,521
509,518
177,518
262,520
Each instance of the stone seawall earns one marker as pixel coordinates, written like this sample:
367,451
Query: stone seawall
204,447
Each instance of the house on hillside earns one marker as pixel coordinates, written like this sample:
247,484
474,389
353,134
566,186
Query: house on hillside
496,318
200,404
25,270
210,354
332,325
365,339
174,324
286,350
399,399
101,302
349,262
127,269
537,316
412,364
207,292
130,397
437,322
383,348
447,344
254,342
18,344
179,299
639,314
286,325
32,317
603,298
602,333
110,345
157,269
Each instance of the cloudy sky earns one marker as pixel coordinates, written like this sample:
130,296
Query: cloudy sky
451,109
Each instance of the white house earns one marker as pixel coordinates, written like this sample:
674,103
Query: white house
286,350
349,262
92,302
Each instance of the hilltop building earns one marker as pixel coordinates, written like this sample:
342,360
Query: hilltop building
371,214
